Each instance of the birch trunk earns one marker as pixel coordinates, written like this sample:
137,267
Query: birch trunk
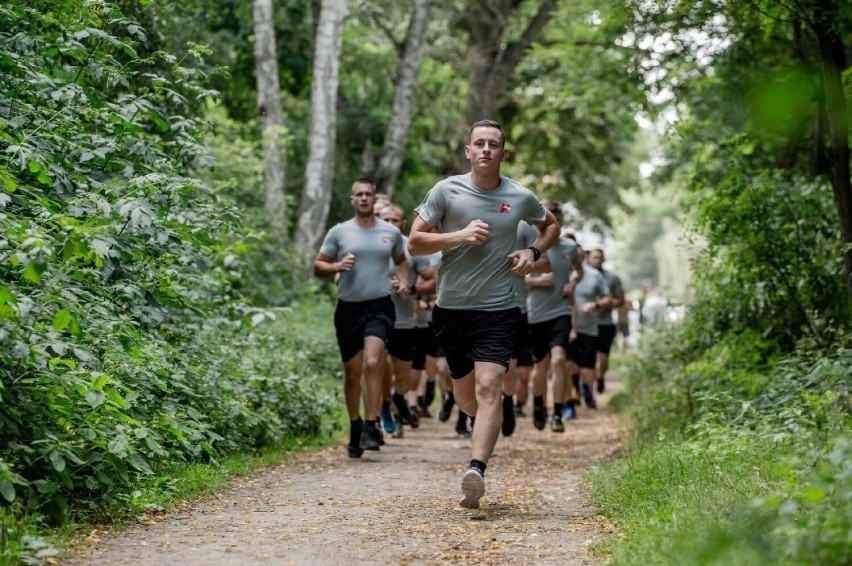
271,115
396,135
316,195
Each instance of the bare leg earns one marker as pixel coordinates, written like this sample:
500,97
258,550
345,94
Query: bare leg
375,357
352,385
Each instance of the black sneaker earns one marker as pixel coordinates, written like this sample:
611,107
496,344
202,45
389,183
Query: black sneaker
601,384
414,417
539,417
508,426
462,429
369,440
519,411
354,451
356,431
446,408
556,424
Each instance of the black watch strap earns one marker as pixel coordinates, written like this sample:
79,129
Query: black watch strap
536,252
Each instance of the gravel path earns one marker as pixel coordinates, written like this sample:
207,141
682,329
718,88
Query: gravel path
396,506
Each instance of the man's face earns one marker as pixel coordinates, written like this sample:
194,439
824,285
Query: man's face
596,259
363,198
393,215
485,151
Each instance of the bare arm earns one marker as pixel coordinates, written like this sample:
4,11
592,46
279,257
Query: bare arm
423,240
325,266
401,279
426,282
548,233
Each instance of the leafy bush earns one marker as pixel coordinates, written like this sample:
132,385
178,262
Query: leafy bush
735,459
126,347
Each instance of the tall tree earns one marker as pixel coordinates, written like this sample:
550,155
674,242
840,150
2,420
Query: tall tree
826,24
396,135
316,195
491,56
271,115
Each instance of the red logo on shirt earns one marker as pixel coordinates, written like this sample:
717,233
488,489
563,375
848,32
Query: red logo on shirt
385,239
504,208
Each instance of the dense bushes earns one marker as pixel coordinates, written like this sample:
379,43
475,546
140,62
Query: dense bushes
126,347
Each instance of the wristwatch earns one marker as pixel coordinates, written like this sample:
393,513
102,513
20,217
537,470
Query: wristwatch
412,289
536,252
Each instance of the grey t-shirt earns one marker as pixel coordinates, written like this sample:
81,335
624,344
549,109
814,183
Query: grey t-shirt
526,236
373,249
405,317
547,303
614,284
479,277
588,289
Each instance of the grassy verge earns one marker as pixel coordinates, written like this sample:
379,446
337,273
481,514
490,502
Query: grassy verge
721,471
27,537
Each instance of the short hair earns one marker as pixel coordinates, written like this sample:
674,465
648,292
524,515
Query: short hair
488,124
363,181
396,206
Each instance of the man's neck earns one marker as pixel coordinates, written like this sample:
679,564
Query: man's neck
365,222
485,181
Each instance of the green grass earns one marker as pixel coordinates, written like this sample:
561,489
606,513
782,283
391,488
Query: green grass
758,472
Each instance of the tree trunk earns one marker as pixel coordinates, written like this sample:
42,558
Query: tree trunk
316,195
396,135
833,60
490,67
271,116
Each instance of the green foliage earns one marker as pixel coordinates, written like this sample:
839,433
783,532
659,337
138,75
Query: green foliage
127,347
772,261
735,458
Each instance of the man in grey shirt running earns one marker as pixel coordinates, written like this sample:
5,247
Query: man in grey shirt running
360,250
473,219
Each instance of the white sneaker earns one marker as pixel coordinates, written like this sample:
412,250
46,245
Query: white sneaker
473,488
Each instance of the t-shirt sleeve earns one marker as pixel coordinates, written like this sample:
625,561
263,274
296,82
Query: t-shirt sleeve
398,244
535,212
603,288
432,208
330,244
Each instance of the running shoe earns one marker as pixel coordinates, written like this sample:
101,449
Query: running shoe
589,397
556,424
354,451
369,440
461,428
473,488
539,417
519,411
400,430
387,420
414,417
570,413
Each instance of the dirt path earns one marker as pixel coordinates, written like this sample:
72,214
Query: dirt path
396,506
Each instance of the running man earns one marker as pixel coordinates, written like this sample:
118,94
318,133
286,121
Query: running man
360,250
472,219
606,326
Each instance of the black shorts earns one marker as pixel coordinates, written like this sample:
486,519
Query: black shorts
522,344
353,321
469,336
606,334
545,335
403,343
582,351
433,349
624,329
423,337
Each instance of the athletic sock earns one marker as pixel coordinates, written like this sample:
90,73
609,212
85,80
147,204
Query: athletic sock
538,401
508,402
430,393
478,465
557,408
356,427
370,425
